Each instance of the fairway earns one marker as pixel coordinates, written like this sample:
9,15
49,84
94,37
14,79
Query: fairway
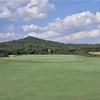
50,77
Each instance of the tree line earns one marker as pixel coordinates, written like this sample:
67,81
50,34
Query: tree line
31,45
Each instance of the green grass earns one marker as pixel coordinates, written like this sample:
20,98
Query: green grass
50,77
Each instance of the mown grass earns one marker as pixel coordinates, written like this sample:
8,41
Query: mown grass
50,77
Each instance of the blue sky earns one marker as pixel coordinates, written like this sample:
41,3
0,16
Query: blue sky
68,21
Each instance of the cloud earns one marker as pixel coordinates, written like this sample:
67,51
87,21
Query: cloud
33,27
5,13
25,9
7,36
84,34
78,26
8,33
50,35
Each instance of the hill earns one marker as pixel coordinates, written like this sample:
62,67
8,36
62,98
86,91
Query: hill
32,45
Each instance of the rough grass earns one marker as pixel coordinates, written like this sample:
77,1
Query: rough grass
50,77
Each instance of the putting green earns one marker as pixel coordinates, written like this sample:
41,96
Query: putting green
49,77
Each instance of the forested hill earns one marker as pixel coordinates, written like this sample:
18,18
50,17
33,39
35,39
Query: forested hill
32,45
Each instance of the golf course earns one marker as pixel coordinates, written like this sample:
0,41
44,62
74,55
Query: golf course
49,77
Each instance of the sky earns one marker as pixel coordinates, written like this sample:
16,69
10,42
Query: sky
67,21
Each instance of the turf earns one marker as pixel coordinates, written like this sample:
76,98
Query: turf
50,77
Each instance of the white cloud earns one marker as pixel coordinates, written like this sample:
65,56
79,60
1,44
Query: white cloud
8,33
74,27
84,34
78,21
33,27
51,35
5,13
35,9
7,36
25,9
